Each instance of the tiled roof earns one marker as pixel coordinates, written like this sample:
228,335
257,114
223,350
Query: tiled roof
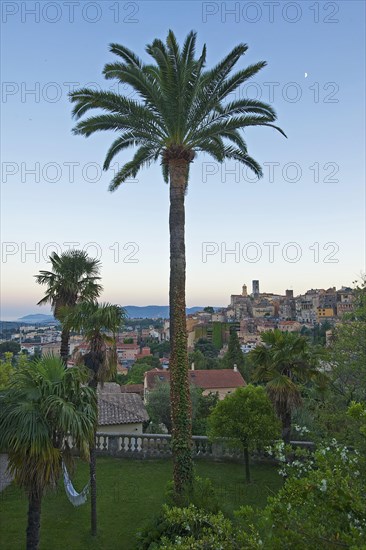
122,408
205,379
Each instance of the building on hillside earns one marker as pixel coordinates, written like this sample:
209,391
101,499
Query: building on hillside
324,314
220,381
255,289
289,326
51,349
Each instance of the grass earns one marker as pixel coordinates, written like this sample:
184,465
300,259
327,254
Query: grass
130,492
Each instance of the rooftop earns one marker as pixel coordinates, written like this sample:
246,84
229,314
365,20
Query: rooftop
120,408
205,379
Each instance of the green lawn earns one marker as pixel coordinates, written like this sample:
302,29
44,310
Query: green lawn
130,492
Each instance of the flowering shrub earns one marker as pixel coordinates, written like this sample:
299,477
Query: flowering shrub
322,502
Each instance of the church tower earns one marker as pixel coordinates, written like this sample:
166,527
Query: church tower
244,291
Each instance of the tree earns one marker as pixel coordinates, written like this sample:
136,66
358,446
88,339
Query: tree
347,376
159,407
234,355
44,404
247,419
73,279
180,109
322,502
6,369
12,347
136,373
198,359
206,348
209,309
96,321
283,361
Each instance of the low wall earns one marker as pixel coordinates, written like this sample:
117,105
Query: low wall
141,446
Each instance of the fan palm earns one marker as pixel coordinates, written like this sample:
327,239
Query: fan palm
74,278
96,322
43,405
180,109
283,362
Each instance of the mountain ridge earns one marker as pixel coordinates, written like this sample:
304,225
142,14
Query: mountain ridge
133,312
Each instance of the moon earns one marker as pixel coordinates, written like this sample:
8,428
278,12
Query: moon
306,74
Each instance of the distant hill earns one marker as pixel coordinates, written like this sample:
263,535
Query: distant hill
134,312
154,312
37,319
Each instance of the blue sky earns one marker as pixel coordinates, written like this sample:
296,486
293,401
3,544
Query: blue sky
313,185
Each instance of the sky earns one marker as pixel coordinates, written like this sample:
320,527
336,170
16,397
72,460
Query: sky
301,226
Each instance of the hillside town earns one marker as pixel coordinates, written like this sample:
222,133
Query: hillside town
250,314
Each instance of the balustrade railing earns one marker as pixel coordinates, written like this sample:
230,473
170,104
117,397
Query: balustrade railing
159,446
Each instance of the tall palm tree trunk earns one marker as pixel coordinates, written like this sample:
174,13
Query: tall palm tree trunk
286,425
34,519
93,491
64,350
93,473
179,386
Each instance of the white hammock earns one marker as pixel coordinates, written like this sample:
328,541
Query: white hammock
75,498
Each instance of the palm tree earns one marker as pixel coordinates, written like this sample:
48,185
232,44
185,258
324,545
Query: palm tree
180,109
74,278
44,404
283,361
96,321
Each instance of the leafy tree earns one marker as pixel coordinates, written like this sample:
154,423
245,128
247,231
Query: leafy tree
96,321
6,369
322,503
162,349
206,348
180,109
209,309
283,361
44,404
198,359
247,419
148,360
136,373
73,279
234,355
346,364
159,407
12,347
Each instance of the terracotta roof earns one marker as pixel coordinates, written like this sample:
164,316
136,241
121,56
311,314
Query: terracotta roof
122,408
205,379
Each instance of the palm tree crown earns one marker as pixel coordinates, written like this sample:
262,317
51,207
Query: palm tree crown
99,324
74,278
283,362
181,109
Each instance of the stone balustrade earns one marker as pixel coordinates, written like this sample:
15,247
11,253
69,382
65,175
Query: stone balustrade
159,446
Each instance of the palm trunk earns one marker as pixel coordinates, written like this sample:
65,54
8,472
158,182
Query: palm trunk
178,365
93,491
246,462
64,350
34,520
286,426
93,472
